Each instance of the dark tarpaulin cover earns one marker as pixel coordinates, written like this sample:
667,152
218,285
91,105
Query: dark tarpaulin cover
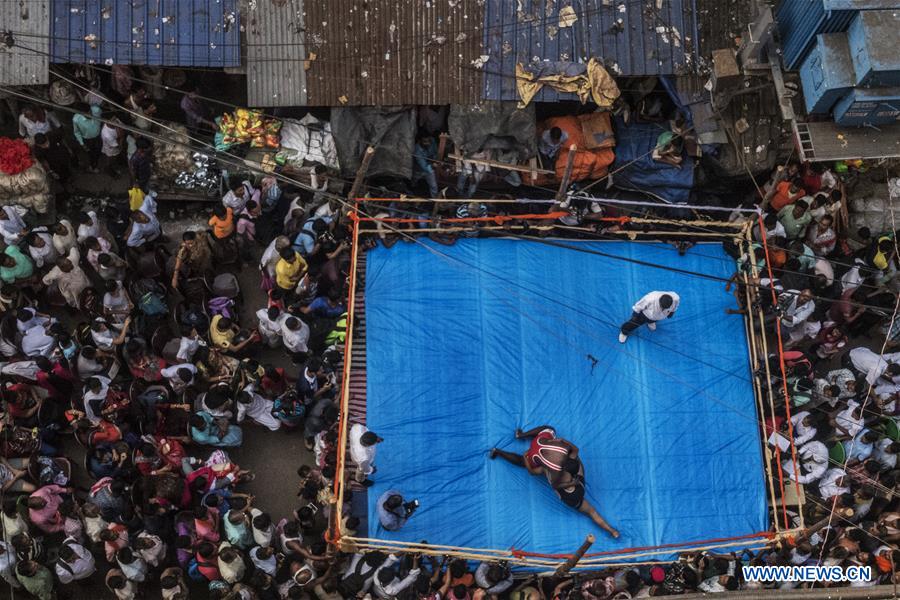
495,125
635,168
390,129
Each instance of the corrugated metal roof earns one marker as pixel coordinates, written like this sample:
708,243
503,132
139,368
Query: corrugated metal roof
189,33
632,37
390,52
721,22
29,20
275,53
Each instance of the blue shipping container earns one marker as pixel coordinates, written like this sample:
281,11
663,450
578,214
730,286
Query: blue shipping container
868,106
873,37
799,21
827,73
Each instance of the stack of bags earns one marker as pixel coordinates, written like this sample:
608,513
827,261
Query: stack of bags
23,181
173,157
247,126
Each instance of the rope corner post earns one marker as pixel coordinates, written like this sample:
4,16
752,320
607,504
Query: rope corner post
344,413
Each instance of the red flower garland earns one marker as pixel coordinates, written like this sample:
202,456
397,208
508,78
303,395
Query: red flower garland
15,156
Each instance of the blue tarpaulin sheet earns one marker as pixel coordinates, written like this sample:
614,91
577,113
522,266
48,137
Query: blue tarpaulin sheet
468,342
635,169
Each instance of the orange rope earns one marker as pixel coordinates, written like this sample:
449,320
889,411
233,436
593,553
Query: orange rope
787,397
759,535
345,384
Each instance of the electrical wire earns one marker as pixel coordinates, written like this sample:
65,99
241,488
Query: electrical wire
630,163
237,161
683,271
402,233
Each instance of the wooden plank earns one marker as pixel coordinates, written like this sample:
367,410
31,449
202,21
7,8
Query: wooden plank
501,165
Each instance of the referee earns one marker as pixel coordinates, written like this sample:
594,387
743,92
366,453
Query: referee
653,307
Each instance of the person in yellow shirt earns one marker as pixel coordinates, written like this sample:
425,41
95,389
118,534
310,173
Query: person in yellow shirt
289,270
224,335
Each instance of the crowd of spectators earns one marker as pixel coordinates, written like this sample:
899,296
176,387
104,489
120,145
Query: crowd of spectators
131,348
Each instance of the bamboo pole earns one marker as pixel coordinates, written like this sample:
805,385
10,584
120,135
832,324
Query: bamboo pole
481,553
807,533
564,183
361,173
579,554
771,399
499,165
750,294
787,397
339,476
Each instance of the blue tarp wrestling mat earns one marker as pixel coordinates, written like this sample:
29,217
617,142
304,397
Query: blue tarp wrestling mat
468,342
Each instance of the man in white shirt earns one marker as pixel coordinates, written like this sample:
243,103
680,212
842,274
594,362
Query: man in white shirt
75,562
653,307
240,193
804,430
269,325
796,309
8,565
88,226
362,444
36,342
885,453
69,277
188,346
40,247
256,407
145,225
263,558
231,565
850,420
63,237
179,376
111,141
295,334
875,366
12,226
388,585
27,317
832,484
150,548
812,459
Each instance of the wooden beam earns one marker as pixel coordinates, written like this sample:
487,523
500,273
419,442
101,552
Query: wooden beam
361,173
500,165
564,184
567,566
442,147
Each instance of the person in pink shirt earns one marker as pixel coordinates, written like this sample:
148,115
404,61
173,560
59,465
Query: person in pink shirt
114,538
43,508
206,523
